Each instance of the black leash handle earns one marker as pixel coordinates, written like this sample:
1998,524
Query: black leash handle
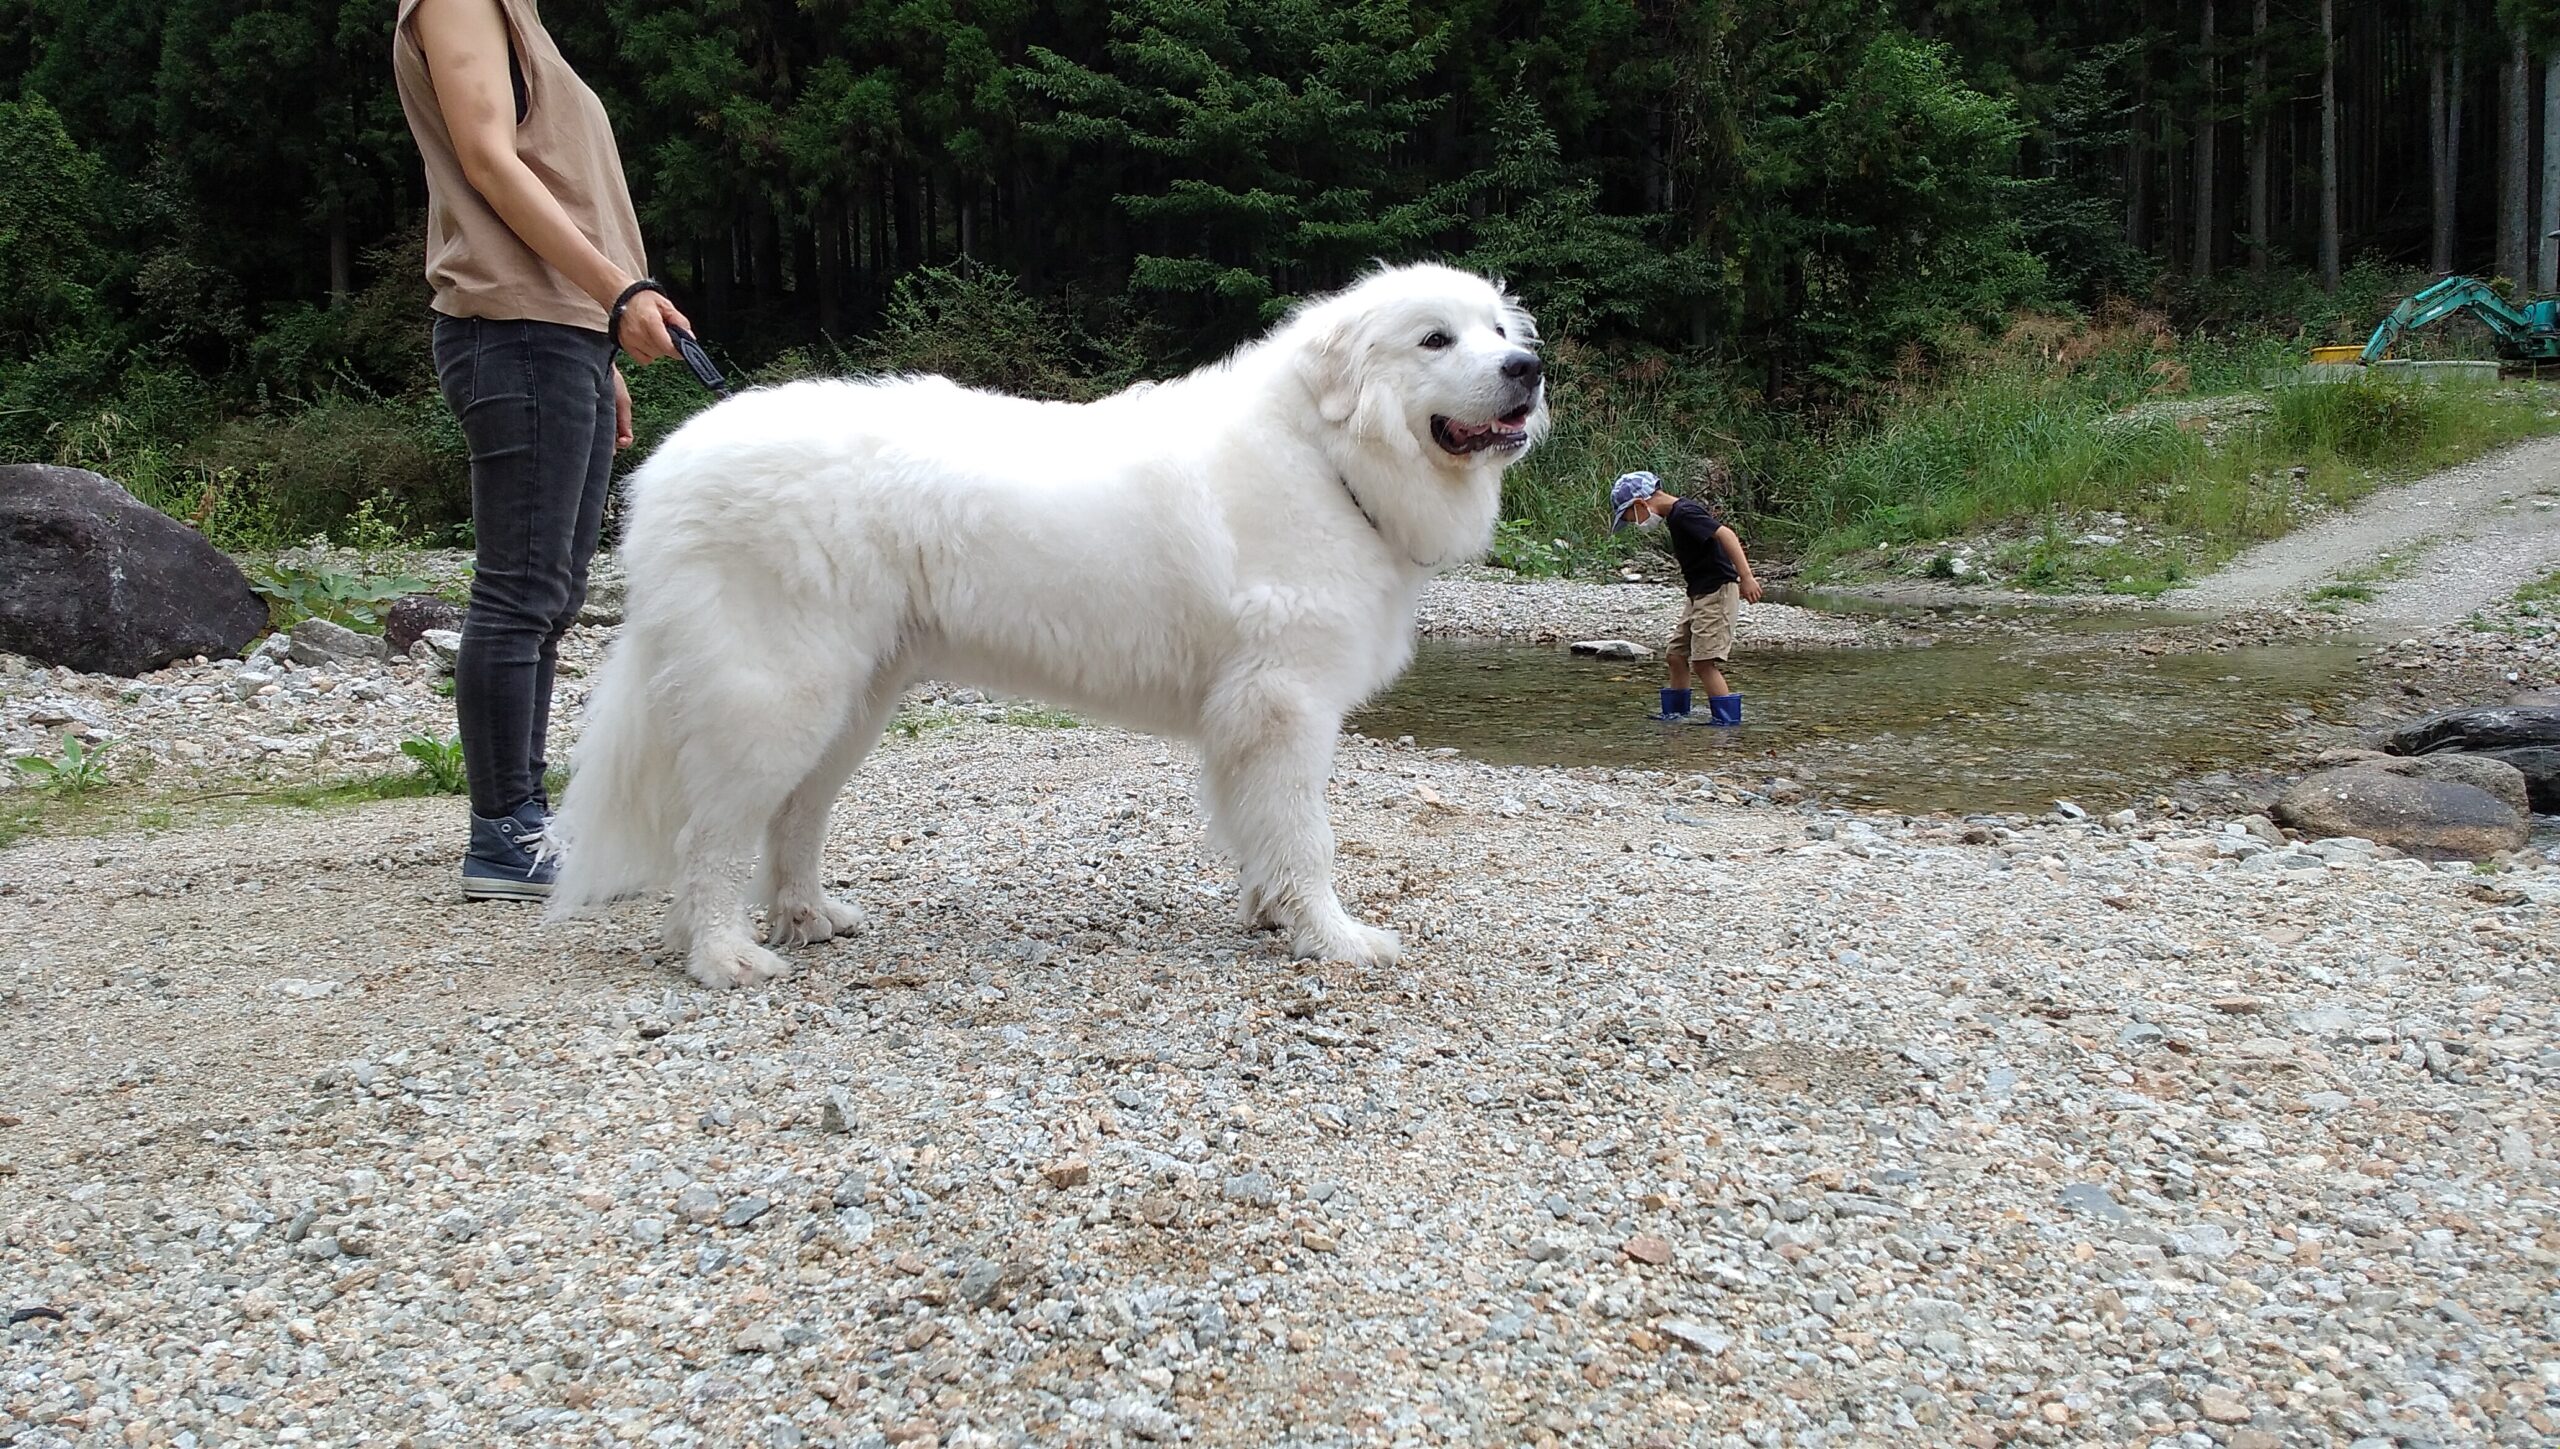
696,360
700,363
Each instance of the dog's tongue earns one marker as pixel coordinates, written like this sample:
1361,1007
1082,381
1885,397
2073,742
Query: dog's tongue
1461,432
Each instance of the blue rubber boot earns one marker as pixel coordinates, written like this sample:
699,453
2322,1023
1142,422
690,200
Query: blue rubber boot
1675,705
1724,709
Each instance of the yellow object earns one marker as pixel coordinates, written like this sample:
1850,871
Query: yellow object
2338,352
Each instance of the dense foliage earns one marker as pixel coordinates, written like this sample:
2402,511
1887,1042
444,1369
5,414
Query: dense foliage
209,208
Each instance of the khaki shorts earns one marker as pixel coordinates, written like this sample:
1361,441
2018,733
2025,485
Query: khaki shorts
1705,635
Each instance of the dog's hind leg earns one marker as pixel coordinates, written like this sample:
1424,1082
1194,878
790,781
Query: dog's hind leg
1267,759
737,765
798,910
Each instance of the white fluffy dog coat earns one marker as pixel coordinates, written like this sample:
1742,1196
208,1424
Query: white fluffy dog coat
1230,558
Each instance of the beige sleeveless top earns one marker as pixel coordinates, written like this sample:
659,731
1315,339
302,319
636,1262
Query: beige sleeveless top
476,265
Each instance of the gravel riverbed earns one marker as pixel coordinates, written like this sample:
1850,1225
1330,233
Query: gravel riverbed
1696,1115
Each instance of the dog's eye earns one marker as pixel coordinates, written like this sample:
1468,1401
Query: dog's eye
1498,332
1437,340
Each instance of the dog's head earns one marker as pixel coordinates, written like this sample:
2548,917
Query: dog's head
1430,361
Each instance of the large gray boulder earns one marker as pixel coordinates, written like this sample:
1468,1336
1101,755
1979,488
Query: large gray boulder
93,579
2445,807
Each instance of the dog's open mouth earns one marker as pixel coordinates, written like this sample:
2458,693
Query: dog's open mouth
1511,430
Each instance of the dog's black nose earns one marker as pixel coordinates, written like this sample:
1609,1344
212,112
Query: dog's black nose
1523,367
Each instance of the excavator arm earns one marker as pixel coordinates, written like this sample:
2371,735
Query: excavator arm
2453,294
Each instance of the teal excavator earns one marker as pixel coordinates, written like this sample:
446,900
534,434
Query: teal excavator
2526,333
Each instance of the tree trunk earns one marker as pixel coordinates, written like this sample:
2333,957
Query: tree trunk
341,257
2204,168
2549,274
2260,222
2439,163
2454,92
2328,145
2137,160
2515,176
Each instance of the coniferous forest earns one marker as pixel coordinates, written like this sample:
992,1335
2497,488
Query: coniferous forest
209,209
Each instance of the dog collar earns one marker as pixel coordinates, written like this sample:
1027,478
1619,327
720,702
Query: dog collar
1372,520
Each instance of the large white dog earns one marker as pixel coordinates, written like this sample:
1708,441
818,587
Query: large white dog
1230,558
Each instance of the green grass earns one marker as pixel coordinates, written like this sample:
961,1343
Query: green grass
2541,590
1040,717
2012,447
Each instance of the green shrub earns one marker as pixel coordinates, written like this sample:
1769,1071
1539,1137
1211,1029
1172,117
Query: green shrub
309,470
76,771
2360,419
439,762
295,593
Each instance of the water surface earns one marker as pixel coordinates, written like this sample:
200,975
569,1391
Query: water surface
2005,721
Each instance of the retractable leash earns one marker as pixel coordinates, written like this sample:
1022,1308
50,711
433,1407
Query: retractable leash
697,361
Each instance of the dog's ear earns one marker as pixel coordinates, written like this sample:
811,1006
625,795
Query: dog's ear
1331,363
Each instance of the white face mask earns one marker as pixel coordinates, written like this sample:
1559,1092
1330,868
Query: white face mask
1649,522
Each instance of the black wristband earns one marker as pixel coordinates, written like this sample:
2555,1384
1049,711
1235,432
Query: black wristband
613,319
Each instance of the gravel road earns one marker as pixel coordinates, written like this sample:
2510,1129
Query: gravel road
1695,1117
2463,539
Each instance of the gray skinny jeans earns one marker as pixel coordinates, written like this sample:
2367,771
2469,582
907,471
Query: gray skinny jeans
536,404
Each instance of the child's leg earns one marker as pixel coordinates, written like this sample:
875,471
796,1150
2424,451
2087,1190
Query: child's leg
1711,676
1679,671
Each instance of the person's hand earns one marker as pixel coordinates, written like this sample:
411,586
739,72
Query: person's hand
1751,591
621,412
645,319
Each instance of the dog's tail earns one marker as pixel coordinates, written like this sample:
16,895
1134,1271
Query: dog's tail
617,825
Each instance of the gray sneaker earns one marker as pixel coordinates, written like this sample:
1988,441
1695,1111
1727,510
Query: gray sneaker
510,859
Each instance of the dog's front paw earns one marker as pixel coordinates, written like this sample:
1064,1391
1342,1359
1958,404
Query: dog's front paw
809,920
1348,940
727,964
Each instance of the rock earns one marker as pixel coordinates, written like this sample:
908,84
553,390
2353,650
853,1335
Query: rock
2501,727
1250,1187
1611,649
1695,1336
2222,1406
604,601
412,616
835,1114
92,579
2441,806
1073,1172
445,645
2540,766
745,1211
697,1204
1648,1248
1145,1420
2092,1200
318,642
761,1338
249,683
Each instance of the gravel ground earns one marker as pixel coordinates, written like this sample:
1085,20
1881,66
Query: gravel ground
1694,1118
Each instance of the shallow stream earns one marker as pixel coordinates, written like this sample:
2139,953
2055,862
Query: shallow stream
1983,720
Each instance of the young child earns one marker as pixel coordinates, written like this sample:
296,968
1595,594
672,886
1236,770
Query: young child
1719,578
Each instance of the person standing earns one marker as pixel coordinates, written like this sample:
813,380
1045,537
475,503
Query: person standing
1719,578
535,261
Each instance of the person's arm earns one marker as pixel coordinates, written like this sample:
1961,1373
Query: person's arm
1741,562
466,48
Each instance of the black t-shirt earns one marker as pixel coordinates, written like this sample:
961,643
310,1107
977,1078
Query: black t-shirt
1692,526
